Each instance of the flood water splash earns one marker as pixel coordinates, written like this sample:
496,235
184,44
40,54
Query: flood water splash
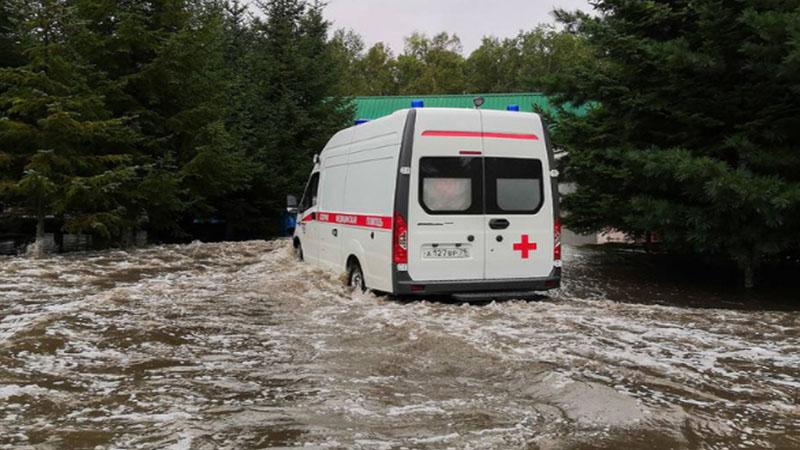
237,345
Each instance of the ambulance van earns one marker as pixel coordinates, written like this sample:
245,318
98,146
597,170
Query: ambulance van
436,201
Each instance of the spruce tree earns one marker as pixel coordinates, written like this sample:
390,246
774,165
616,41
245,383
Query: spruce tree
165,65
56,133
695,132
293,106
10,48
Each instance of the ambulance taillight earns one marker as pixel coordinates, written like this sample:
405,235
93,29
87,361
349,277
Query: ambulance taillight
557,240
400,240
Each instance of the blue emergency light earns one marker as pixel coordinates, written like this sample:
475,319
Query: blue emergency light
417,103
512,108
361,121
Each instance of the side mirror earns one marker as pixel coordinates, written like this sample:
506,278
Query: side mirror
291,204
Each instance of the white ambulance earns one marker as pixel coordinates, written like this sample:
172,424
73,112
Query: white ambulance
437,201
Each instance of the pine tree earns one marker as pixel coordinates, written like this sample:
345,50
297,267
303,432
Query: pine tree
56,132
696,130
10,49
166,69
10,56
293,107
327,110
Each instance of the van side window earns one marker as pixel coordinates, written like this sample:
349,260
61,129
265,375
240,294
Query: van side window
513,186
451,185
310,195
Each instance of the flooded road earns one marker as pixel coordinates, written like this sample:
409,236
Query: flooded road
236,345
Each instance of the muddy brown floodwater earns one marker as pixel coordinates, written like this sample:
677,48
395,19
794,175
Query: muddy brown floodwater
236,345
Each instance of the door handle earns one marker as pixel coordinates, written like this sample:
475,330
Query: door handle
499,224
335,232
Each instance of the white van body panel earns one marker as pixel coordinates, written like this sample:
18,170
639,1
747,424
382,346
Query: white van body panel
426,230
358,171
502,259
486,243
332,167
369,194
522,250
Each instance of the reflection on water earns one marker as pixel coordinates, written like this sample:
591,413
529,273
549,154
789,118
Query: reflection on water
235,345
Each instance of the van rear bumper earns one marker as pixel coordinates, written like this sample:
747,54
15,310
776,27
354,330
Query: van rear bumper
407,286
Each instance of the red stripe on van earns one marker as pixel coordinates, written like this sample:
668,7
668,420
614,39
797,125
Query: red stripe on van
354,220
475,134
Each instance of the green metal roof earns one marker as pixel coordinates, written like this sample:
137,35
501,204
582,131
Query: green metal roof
371,108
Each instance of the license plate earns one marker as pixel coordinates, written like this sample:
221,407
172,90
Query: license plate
445,253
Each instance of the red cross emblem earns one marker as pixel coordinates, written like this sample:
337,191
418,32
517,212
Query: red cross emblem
525,246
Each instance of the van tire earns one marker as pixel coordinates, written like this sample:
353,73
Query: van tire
355,277
298,250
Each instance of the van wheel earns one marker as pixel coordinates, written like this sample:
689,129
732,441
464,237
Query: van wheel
355,277
298,251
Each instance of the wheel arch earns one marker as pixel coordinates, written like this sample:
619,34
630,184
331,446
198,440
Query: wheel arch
352,259
352,248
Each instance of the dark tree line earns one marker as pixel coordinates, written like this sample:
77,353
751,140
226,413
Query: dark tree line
436,65
695,132
117,115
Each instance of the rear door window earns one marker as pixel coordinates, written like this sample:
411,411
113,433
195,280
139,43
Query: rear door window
451,185
513,186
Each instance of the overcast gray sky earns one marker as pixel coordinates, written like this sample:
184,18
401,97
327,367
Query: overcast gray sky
391,20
